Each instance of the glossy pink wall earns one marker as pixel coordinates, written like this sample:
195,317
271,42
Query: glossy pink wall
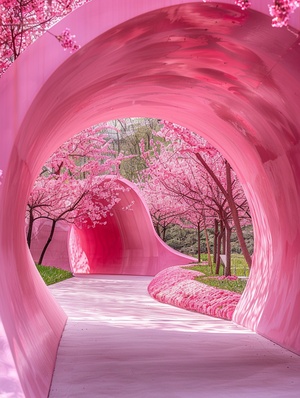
225,74
126,244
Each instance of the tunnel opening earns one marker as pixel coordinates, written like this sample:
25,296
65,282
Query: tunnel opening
192,64
185,203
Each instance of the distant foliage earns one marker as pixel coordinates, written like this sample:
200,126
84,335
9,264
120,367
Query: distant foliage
185,240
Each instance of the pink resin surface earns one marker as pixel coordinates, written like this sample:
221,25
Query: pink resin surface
222,72
126,244
134,346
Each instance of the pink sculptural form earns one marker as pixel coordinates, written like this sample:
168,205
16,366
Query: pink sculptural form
204,66
124,243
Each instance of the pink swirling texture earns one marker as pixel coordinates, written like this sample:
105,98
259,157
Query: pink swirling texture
176,286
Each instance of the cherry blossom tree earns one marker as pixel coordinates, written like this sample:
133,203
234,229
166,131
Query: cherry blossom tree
165,185
70,186
195,218
165,209
195,173
23,21
215,165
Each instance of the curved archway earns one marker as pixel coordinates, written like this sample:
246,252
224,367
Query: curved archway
203,66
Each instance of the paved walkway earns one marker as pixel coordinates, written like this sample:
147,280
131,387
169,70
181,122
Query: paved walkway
119,342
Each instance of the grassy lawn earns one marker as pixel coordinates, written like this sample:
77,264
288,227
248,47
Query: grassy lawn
53,275
238,268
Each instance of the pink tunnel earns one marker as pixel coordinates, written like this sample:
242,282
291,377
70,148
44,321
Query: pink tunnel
126,244
222,72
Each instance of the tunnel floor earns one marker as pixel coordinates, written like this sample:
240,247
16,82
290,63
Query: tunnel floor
119,342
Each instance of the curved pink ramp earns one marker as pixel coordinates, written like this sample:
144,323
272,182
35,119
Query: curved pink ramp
126,244
222,72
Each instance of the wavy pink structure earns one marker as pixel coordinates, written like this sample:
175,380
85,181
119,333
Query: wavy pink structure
126,244
222,72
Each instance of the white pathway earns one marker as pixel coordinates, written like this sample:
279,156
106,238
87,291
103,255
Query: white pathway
119,342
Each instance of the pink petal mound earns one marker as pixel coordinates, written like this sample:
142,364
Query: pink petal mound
176,286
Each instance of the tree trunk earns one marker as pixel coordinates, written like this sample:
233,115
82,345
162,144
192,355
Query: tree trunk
229,196
219,240
235,217
156,226
164,230
199,242
216,233
30,227
208,249
118,143
48,241
224,240
228,252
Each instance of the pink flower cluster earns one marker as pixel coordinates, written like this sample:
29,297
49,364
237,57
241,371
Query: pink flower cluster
176,286
67,41
244,4
281,10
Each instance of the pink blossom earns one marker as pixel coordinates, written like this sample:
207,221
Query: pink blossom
67,41
22,22
73,186
281,10
176,286
244,4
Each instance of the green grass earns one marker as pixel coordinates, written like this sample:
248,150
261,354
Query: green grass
237,286
238,267
53,275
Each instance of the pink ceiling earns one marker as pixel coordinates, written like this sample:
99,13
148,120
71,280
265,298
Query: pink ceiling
225,74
